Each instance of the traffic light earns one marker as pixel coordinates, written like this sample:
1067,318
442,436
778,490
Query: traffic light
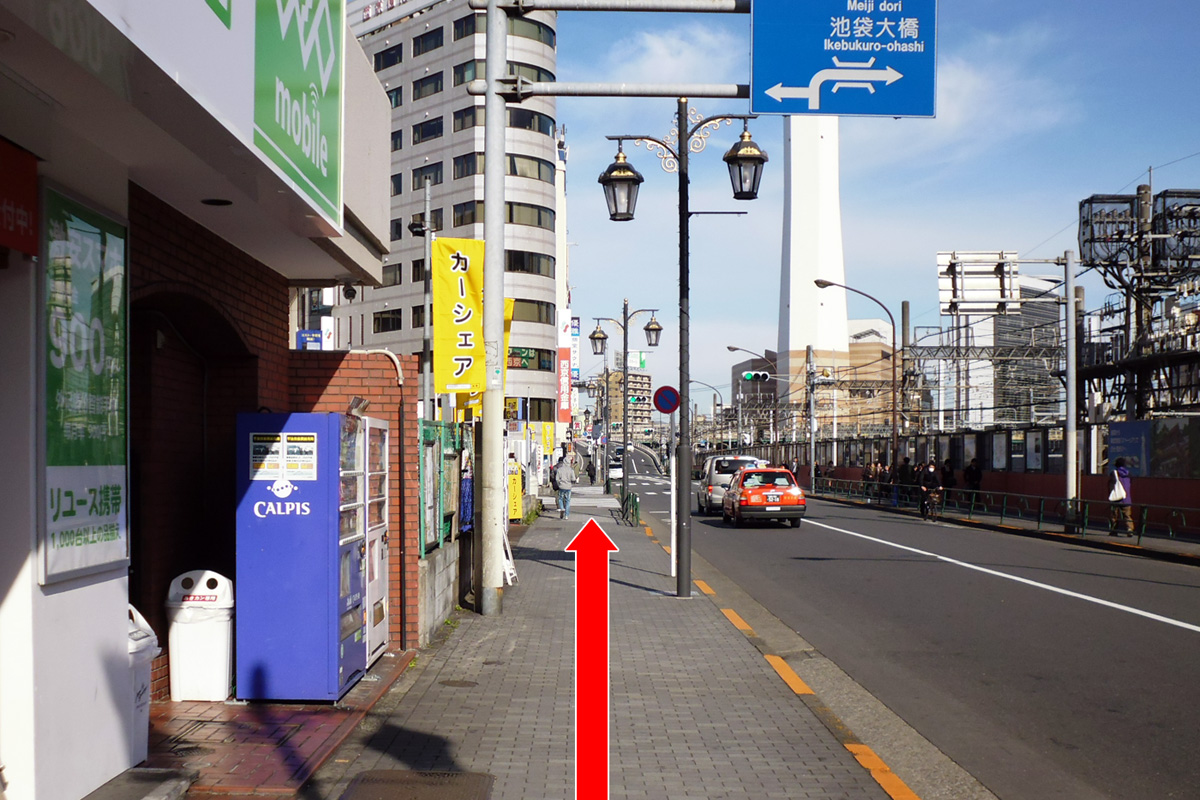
648,431
755,376
634,399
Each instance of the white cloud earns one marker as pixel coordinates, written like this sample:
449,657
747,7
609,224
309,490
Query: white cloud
993,90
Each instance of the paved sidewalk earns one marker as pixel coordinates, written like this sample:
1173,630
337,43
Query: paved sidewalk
697,712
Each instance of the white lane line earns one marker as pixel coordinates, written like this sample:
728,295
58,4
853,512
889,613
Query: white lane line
1057,590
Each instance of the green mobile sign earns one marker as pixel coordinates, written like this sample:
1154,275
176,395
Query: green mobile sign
298,95
85,491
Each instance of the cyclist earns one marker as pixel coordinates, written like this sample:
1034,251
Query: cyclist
931,489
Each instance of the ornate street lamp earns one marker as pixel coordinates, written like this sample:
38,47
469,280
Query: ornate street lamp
599,341
620,181
745,160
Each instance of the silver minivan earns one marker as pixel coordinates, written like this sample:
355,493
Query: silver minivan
718,471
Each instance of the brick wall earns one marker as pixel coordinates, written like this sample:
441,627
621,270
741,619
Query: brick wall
326,381
208,339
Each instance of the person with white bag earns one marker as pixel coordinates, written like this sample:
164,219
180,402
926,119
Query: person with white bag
1119,494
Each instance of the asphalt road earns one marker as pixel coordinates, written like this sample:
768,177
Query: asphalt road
1046,670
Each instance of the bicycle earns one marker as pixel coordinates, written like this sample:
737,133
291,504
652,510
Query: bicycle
931,503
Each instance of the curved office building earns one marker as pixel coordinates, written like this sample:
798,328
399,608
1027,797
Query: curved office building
424,55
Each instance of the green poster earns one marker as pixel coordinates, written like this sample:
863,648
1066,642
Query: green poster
85,508
298,95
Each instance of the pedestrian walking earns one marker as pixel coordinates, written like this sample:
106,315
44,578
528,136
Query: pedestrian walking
591,470
948,479
564,479
1120,491
973,475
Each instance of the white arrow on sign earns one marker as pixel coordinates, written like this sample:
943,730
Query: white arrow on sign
852,75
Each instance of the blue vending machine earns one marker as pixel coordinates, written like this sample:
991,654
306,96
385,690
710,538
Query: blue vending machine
300,552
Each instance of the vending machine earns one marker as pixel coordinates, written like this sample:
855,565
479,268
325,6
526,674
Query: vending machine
302,605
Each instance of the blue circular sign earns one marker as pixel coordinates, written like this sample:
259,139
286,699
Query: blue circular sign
666,399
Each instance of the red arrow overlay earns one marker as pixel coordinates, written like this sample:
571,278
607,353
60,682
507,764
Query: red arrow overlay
591,547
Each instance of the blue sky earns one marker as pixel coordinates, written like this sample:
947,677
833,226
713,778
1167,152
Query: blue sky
1039,106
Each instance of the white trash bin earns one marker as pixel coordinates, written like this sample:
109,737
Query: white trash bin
200,638
143,649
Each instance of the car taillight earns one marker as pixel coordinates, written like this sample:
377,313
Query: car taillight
797,491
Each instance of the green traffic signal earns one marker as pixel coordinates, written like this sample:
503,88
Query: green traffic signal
753,375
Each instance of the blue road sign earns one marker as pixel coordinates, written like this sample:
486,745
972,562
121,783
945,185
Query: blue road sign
843,57
666,399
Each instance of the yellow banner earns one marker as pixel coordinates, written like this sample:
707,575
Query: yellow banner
548,438
458,353
509,305
515,499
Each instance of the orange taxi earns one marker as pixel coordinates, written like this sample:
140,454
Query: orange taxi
759,493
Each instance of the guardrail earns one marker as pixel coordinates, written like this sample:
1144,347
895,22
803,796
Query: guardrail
1088,517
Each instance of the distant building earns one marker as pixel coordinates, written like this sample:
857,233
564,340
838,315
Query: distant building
424,54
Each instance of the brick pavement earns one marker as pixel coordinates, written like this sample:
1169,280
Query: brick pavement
697,712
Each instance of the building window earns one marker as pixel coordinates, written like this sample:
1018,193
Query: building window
389,57
468,117
528,263
531,29
528,120
397,183
429,85
468,213
435,222
541,410
431,171
533,311
468,71
468,165
429,129
418,317
468,25
526,214
517,166
418,271
528,167
396,96
386,321
397,140
532,358
530,72
397,229
392,275
430,40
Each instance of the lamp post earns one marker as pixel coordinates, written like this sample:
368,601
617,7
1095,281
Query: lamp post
424,229
720,403
774,370
620,181
599,341
821,283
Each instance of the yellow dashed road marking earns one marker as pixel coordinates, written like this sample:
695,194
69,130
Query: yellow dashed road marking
737,621
794,681
882,773
704,587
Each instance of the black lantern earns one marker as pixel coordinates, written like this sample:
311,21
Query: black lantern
745,160
599,339
653,331
620,182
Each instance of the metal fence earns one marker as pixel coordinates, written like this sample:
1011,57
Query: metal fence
1087,517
